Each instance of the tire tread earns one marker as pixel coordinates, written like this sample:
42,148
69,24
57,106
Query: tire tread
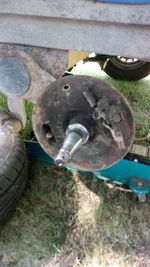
13,178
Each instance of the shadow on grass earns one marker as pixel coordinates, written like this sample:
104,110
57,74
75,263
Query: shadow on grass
121,226
66,218
44,216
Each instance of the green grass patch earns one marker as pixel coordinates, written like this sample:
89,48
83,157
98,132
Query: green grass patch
26,133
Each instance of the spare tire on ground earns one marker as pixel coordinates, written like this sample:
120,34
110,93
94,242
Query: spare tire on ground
126,68
13,168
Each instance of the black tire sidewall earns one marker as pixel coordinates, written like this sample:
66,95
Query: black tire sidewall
13,178
127,74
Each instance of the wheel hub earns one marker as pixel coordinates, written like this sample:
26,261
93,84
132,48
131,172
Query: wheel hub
93,104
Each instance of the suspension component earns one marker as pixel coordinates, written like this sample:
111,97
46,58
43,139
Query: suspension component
83,123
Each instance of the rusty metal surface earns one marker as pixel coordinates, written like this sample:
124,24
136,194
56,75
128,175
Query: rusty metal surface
9,123
53,61
112,128
4,116
17,107
9,128
39,77
43,66
13,125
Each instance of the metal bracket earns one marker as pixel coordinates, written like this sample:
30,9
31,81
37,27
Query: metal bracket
25,73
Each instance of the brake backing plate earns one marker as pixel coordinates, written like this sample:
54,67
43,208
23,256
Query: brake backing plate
93,103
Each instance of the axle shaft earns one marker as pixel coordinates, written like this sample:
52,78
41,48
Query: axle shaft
76,135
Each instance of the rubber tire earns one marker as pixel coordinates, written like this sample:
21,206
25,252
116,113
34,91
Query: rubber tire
121,72
13,175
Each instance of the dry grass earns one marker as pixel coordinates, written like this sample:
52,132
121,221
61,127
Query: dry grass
66,219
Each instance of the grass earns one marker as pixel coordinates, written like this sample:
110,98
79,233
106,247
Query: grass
66,219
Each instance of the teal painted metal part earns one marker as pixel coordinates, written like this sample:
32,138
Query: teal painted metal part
100,58
126,172
135,175
36,151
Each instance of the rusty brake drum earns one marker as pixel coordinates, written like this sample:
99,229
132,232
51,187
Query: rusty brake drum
87,103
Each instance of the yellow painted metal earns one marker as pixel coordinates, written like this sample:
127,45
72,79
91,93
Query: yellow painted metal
75,57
